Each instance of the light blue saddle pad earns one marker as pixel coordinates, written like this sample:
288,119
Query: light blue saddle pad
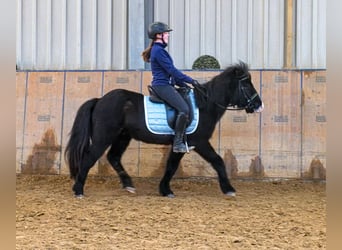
155,117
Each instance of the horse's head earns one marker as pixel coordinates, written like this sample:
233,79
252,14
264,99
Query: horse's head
230,90
246,95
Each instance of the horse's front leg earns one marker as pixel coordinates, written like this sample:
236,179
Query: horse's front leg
171,168
208,153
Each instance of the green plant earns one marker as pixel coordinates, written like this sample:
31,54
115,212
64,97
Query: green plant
206,62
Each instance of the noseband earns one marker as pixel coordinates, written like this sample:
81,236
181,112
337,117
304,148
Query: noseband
249,99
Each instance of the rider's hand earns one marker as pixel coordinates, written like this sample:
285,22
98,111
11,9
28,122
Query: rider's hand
195,83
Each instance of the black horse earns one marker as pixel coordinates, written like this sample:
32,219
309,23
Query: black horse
117,117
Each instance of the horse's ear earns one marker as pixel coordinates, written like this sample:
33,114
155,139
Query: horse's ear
241,69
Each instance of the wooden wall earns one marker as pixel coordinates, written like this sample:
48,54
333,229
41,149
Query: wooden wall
287,140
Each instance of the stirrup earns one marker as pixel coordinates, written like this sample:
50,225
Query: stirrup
188,148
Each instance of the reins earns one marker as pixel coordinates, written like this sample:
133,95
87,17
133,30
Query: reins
249,100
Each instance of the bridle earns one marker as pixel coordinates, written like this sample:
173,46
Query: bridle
229,107
249,99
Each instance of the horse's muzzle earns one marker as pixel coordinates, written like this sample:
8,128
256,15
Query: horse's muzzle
260,109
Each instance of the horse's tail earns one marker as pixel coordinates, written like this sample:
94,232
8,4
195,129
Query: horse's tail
80,136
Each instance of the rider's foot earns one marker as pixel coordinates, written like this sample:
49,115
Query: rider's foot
179,148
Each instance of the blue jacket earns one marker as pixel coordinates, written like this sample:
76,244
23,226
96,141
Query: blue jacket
163,70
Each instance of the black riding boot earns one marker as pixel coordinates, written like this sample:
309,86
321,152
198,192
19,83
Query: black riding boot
178,141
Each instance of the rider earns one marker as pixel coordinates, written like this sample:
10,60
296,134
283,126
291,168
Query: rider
164,78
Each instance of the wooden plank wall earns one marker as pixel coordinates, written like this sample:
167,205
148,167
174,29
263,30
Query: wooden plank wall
281,124
287,140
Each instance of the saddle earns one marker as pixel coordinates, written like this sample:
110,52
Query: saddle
171,113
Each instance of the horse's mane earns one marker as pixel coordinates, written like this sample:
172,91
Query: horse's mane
236,70
216,87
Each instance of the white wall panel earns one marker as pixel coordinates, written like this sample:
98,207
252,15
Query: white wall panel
18,32
177,16
58,34
43,33
104,35
88,34
73,34
119,34
161,11
230,30
225,32
78,34
240,37
208,27
257,35
274,46
192,46
28,35
311,34
136,34
109,34
320,35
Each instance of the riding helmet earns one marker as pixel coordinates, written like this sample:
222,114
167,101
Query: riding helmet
157,28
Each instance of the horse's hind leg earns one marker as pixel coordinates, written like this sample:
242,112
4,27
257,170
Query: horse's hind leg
114,157
89,159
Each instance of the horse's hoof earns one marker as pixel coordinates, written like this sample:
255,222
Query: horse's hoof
130,190
170,196
231,194
79,196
